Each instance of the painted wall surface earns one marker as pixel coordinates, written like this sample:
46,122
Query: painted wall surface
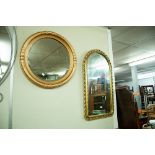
113,76
35,107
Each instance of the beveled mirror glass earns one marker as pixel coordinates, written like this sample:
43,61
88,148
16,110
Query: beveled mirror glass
7,51
98,92
48,59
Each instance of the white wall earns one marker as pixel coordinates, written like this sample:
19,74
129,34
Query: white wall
35,107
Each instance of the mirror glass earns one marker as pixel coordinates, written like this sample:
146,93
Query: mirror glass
98,85
5,51
48,59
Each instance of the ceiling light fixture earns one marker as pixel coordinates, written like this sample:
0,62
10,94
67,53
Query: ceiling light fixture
142,61
146,75
5,51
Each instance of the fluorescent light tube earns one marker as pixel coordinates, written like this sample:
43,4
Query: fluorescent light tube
142,61
146,75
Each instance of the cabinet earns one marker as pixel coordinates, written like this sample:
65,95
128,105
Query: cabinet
148,89
97,103
127,110
147,92
97,96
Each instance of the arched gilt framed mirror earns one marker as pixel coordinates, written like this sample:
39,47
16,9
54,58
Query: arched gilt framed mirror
8,50
98,87
48,59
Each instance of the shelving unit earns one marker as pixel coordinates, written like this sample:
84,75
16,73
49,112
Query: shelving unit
97,102
97,96
147,95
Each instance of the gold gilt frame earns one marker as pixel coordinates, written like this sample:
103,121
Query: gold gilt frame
24,59
86,93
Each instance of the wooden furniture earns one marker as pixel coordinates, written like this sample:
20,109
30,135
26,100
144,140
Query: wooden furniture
150,114
147,93
147,89
127,111
97,102
151,111
150,98
142,120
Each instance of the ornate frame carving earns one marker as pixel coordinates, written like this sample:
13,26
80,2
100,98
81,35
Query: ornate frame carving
85,77
24,61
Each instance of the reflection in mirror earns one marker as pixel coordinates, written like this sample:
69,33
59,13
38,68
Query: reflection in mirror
48,59
98,85
1,97
5,51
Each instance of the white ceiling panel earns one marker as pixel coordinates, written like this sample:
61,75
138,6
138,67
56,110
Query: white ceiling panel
148,44
3,29
127,55
130,44
147,67
116,46
117,30
135,35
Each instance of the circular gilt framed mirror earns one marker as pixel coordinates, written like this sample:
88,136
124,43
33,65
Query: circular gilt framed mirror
48,59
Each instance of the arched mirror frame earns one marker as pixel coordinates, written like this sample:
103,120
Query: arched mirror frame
12,34
28,72
86,93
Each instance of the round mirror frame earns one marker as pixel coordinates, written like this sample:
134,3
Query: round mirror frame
12,34
24,59
85,77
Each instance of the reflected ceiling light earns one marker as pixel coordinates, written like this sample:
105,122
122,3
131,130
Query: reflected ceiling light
61,73
3,68
5,51
94,78
100,65
120,81
142,61
140,56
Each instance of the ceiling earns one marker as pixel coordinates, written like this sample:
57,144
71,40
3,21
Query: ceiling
3,30
131,43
